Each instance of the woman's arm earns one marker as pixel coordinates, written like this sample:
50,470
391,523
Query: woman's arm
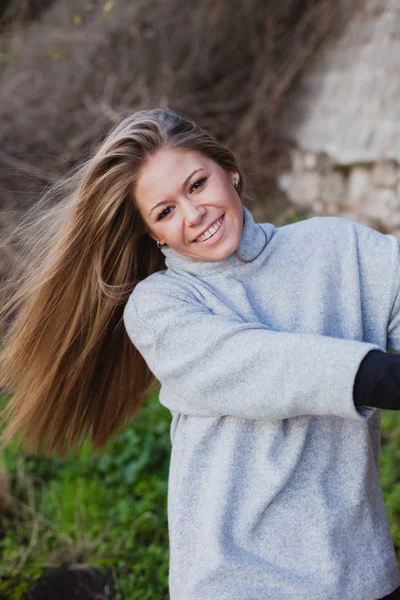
393,330
211,365
377,383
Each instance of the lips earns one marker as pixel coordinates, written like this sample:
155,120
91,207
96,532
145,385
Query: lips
210,231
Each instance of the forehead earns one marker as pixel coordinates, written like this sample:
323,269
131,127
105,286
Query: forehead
165,171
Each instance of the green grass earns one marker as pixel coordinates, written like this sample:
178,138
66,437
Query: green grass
390,472
105,509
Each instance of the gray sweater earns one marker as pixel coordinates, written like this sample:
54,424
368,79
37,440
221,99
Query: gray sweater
274,486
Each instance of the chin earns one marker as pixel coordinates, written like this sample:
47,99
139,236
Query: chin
221,253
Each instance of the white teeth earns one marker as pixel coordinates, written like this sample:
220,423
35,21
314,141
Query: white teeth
207,234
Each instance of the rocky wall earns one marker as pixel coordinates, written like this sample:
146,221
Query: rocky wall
365,192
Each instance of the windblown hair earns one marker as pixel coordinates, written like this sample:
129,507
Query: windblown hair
66,360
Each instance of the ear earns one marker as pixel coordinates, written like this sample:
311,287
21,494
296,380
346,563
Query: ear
154,237
234,175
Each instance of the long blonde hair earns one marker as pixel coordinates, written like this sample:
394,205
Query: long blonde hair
66,359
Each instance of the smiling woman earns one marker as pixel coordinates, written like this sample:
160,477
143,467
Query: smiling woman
151,267
201,215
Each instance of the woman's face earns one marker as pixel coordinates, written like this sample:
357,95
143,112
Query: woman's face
189,202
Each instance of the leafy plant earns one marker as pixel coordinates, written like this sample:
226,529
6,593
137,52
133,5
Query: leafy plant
106,509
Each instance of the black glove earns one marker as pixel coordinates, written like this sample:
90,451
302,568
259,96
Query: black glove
377,382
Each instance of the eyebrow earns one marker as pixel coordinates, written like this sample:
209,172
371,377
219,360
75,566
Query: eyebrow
183,185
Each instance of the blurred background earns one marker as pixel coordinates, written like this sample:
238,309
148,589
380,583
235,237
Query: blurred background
305,93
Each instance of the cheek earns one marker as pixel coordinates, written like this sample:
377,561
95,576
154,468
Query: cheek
150,230
171,232
235,204
221,196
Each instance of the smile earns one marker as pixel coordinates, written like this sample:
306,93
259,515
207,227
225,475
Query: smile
210,231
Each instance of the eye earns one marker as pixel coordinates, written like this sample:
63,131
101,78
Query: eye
164,213
197,184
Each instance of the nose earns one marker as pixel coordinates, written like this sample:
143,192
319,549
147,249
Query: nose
192,213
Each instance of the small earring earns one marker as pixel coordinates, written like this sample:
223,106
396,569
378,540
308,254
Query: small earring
235,183
159,245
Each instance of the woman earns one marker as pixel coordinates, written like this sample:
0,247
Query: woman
267,341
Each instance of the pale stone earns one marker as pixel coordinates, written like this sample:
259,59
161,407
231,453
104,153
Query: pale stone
348,214
398,190
331,210
396,233
296,157
385,174
306,160
383,204
310,161
333,188
318,208
356,216
358,186
304,189
302,160
325,163
284,181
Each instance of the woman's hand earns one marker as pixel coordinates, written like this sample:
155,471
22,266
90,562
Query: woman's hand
377,383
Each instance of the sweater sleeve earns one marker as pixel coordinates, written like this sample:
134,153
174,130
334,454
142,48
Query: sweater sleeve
379,260
393,330
212,365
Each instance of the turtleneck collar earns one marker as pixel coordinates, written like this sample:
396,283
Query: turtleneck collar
252,242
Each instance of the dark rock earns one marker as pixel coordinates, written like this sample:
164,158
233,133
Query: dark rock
68,584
